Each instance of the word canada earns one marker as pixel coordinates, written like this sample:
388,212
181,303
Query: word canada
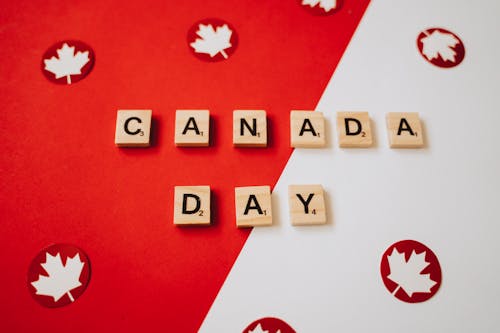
307,129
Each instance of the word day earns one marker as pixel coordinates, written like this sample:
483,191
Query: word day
252,205
307,129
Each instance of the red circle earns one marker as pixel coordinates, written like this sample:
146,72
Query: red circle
269,325
315,9
52,55
456,48
431,271
215,23
37,273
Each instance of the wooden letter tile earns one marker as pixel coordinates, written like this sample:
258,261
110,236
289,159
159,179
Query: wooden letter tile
307,204
405,130
249,128
354,129
133,128
253,206
192,128
307,129
192,205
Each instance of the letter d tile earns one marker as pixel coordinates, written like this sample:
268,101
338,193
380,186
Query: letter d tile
354,130
192,205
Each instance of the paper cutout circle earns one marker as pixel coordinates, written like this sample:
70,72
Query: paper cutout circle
212,40
67,62
58,275
441,47
410,271
321,7
269,325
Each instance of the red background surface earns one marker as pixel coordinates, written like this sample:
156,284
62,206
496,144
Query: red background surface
63,179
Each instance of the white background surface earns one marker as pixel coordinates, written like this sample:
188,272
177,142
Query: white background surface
327,278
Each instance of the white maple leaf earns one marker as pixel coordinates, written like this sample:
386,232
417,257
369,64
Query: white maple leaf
258,329
61,278
407,274
67,62
439,44
212,41
327,5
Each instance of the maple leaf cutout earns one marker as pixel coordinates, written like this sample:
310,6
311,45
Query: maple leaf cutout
439,44
407,273
68,63
327,5
258,329
212,41
61,279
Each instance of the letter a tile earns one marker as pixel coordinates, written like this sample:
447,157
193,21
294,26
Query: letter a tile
307,204
405,130
253,206
307,129
133,128
192,205
192,128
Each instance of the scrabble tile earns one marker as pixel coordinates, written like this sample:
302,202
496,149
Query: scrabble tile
307,129
249,128
405,130
192,205
354,129
192,128
307,204
253,206
133,128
